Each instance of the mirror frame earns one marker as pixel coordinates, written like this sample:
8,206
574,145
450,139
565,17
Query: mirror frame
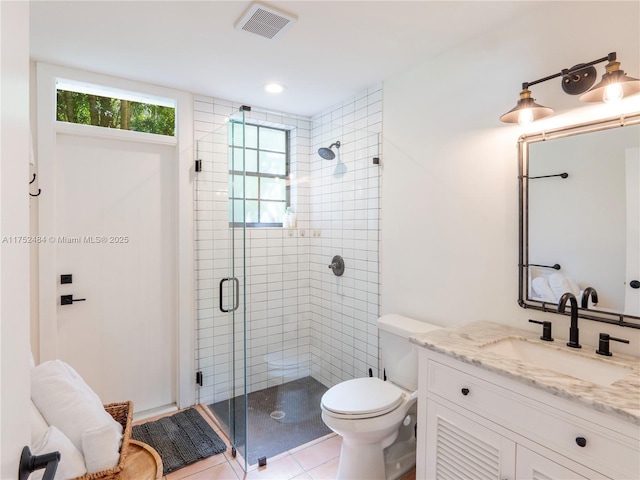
524,141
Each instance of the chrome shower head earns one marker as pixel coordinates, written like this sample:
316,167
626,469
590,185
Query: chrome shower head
327,153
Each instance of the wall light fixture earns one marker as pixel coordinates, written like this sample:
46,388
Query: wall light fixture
615,84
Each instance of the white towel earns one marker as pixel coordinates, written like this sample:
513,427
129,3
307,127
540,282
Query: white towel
67,402
71,462
101,448
560,285
542,289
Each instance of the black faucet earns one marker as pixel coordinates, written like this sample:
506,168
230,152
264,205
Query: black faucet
573,331
585,296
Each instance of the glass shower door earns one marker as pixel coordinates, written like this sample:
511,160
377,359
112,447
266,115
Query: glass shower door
236,300
221,279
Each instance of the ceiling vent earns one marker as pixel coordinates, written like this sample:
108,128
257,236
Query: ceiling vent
265,21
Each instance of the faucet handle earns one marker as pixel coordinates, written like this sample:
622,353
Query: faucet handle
603,347
546,330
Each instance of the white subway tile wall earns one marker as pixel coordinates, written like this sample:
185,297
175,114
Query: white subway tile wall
345,215
301,319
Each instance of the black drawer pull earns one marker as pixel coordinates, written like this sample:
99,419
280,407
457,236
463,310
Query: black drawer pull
465,391
581,441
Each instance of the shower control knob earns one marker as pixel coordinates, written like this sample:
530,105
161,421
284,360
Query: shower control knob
337,265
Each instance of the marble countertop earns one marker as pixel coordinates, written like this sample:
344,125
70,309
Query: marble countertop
466,342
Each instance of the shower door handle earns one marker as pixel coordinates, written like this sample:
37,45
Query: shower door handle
237,299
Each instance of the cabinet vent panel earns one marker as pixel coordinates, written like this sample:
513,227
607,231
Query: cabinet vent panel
462,456
535,475
474,449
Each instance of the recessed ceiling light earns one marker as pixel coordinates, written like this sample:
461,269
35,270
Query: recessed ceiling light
273,88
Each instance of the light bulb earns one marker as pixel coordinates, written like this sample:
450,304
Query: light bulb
612,93
525,116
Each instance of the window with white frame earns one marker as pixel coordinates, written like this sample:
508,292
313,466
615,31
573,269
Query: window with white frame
258,175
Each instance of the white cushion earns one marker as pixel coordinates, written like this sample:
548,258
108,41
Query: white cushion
39,425
67,402
101,447
71,462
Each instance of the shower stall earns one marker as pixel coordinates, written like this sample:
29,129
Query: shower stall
275,326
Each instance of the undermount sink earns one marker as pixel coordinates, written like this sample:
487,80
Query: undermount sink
565,362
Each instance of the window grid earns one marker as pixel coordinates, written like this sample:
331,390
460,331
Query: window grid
258,174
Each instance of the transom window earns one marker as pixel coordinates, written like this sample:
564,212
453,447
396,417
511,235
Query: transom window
101,106
258,176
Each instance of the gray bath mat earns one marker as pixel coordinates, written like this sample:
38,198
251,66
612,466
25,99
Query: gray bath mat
279,418
180,440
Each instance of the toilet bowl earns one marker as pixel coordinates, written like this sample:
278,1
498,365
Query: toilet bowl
368,413
283,367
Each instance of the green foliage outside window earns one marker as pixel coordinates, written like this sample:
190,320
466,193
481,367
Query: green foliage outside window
86,109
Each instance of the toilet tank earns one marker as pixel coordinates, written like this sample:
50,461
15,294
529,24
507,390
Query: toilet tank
399,355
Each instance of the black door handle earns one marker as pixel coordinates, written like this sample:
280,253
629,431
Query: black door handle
68,299
634,283
237,299
30,463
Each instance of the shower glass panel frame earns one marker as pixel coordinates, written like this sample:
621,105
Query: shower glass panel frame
225,335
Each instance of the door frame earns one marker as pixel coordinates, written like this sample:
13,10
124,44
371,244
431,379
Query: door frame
48,129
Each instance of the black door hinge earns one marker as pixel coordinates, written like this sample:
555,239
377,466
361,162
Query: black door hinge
199,378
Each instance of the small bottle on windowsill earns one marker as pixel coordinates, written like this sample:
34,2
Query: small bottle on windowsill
287,218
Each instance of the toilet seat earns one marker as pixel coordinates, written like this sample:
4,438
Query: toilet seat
362,398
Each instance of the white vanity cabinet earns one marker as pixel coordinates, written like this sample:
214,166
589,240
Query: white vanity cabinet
476,424
533,465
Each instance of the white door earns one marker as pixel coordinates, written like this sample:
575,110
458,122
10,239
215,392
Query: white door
115,227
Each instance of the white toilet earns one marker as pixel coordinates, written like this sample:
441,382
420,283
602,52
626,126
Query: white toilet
371,414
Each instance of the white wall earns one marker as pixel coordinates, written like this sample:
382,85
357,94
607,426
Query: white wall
14,215
450,192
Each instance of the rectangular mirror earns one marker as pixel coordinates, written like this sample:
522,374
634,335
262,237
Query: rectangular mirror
580,218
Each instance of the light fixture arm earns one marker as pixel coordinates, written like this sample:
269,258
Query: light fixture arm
568,71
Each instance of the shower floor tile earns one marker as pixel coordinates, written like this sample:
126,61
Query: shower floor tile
279,418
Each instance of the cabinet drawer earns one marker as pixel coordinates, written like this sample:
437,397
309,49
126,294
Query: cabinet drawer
604,450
